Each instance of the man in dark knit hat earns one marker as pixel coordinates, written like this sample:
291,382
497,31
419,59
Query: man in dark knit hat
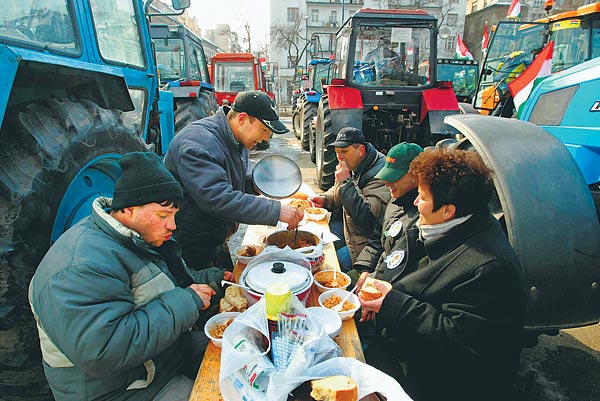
210,159
113,300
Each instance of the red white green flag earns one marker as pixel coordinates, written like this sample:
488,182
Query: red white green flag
485,40
541,67
461,50
514,11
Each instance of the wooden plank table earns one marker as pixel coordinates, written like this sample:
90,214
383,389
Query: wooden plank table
206,386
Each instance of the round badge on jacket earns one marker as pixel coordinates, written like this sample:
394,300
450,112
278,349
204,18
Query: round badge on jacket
395,228
394,259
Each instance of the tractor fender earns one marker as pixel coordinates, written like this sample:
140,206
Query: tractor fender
344,97
438,99
313,98
550,218
9,62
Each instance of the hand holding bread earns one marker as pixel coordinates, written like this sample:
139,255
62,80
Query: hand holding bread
371,296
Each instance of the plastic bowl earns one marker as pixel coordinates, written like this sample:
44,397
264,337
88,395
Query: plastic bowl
341,293
325,318
326,275
216,320
315,213
242,249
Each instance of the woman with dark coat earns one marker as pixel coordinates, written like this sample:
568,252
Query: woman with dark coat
452,305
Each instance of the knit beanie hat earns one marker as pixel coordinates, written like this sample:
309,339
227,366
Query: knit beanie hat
144,179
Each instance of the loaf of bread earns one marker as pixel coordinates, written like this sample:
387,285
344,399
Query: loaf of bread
225,306
234,296
334,388
368,291
300,195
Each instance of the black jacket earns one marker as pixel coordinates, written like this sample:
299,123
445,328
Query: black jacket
456,313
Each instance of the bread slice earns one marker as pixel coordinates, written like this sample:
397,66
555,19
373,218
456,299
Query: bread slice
334,388
368,290
234,296
225,306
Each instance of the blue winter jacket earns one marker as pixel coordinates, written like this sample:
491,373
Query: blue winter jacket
213,171
112,323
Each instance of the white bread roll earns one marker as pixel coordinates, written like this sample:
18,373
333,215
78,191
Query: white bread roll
368,290
334,388
234,296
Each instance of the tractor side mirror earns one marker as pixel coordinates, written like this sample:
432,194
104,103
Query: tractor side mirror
181,4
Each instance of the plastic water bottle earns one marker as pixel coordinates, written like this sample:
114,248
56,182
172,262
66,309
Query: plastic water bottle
258,371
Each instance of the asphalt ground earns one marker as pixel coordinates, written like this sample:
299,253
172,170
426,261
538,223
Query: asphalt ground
563,367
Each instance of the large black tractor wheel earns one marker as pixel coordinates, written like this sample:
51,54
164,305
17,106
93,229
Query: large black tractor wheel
296,122
188,110
325,157
311,143
307,113
57,156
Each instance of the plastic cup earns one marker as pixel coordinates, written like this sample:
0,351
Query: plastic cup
278,298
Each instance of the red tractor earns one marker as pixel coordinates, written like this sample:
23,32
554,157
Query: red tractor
235,72
383,84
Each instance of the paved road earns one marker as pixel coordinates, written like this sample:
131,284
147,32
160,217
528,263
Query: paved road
566,367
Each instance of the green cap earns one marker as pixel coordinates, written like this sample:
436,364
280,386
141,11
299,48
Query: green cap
397,161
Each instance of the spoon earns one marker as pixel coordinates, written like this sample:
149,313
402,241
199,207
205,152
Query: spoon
223,282
338,307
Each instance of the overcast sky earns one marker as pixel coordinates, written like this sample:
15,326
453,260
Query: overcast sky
236,13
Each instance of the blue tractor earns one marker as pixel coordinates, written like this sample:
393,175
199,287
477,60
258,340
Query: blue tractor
319,74
547,167
79,87
183,71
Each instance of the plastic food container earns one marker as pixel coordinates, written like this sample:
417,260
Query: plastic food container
307,243
325,276
326,318
243,251
345,315
315,213
213,322
262,275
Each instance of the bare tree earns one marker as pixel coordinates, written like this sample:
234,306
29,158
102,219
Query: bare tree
288,36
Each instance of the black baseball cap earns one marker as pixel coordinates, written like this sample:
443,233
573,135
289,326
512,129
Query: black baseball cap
347,136
258,104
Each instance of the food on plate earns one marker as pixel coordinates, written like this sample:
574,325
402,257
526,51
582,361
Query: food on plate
300,204
334,388
300,195
315,210
334,300
369,291
326,279
249,251
218,330
234,296
300,243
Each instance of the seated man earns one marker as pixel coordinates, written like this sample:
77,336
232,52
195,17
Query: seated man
452,306
115,303
361,196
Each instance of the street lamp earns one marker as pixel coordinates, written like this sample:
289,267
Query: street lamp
307,42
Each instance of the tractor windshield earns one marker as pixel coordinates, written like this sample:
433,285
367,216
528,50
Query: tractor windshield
234,77
390,56
44,24
462,73
320,72
170,59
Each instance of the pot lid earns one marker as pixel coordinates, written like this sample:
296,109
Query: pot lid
260,276
277,176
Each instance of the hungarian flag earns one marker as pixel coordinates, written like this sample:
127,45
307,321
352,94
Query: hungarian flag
514,11
461,50
485,40
521,87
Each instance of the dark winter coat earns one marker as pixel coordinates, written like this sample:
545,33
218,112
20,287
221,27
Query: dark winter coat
217,188
456,312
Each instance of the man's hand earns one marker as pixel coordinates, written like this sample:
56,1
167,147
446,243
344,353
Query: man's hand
318,201
204,292
369,308
341,172
227,276
291,215
361,280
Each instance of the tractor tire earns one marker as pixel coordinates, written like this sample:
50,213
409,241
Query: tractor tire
325,157
47,146
311,142
296,126
189,110
307,112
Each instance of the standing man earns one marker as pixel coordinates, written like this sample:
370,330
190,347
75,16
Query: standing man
400,213
210,160
452,306
361,196
113,300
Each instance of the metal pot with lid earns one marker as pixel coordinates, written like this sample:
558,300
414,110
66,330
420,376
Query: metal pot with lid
258,277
